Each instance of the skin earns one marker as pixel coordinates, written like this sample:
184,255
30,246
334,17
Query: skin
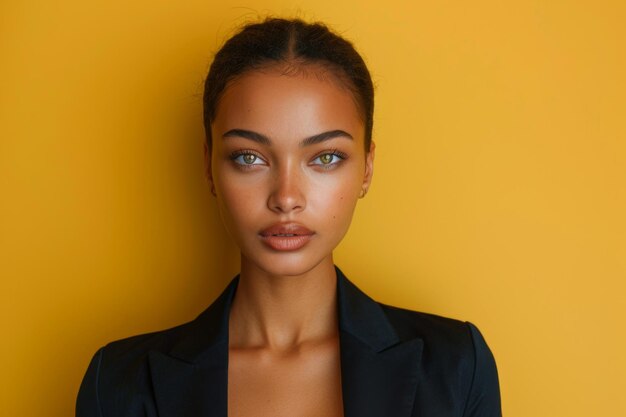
283,330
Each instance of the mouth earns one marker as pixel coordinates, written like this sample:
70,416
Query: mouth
286,236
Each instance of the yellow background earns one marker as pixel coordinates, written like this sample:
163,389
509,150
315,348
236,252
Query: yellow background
499,194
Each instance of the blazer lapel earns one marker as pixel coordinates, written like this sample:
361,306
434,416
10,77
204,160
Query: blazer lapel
192,379
379,371
182,389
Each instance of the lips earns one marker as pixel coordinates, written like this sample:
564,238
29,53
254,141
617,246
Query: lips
286,236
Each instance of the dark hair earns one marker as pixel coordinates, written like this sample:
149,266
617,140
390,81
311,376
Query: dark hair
293,42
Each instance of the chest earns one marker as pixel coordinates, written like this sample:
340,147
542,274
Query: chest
301,383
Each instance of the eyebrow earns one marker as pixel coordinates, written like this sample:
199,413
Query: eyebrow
264,140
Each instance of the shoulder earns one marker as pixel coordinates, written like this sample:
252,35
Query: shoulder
119,374
127,359
136,347
432,328
443,338
455,357
448,344
445,334
118,380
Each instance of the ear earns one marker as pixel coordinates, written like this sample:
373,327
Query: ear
207,167
369,166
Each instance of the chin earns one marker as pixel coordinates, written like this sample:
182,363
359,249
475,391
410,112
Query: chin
287,264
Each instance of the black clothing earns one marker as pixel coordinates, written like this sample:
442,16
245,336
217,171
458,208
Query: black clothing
394,363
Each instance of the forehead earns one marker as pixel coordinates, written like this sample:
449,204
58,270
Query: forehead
294,105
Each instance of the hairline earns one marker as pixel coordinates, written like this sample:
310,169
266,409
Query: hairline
338,77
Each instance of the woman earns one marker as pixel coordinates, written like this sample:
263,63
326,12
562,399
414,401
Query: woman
288,118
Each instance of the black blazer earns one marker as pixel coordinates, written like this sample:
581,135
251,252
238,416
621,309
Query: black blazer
394,363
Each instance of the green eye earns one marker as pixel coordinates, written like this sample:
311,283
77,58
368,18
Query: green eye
326,159
249,158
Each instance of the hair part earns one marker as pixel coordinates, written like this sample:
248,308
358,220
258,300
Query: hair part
291,45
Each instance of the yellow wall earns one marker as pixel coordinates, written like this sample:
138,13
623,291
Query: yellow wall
499,195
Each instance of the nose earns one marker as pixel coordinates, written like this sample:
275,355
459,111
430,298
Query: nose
287,193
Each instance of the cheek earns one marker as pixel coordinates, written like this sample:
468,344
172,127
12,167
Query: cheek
235,188
337,203
236,201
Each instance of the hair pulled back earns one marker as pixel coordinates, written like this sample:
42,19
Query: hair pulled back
293,42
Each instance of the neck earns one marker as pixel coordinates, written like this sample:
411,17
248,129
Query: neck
282,312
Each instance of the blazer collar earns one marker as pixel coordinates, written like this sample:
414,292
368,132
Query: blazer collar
379,370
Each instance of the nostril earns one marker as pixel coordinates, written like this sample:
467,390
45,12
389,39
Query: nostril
288,194
286,202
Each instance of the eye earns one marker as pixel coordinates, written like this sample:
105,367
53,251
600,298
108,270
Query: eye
328,159
247,159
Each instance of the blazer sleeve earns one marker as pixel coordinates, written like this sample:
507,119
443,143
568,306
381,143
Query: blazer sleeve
484,394
88,400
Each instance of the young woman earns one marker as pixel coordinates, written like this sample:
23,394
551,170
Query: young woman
288,118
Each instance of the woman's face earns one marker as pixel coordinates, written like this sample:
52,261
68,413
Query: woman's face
288,165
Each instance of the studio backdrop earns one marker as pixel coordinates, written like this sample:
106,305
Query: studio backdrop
499,192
